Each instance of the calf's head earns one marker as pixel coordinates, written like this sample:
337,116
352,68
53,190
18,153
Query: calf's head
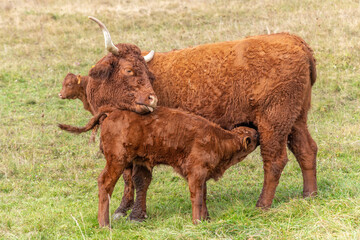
249,140
71,88
124,74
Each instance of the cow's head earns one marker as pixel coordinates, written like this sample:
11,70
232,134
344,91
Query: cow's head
71,88
125,72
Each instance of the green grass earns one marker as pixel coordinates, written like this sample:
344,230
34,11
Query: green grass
48,186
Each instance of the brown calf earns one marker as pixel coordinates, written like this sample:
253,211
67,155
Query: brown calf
74,87
196,148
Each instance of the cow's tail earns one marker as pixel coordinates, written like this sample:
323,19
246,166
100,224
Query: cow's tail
310,55
94,121
312,61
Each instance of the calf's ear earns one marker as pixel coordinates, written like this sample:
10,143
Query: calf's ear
246,142
103,69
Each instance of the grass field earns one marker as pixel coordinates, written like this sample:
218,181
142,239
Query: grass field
48,186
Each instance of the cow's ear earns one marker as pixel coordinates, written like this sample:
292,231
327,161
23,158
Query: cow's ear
102,69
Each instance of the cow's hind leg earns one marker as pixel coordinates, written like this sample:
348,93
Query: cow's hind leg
305,149
127,201
273,152
141,178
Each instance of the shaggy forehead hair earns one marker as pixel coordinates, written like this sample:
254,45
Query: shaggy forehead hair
109,63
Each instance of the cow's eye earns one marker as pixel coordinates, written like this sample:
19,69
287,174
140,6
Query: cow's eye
129,71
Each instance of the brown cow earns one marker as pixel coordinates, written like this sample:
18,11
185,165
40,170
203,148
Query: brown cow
74,87
196,148
264,81
121,79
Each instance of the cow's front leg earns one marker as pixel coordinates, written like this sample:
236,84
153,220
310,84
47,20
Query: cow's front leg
127,201
305,149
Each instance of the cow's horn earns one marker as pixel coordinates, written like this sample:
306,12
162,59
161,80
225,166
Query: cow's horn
109,45
149,56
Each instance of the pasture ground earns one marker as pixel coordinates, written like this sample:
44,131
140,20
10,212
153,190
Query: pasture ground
48,187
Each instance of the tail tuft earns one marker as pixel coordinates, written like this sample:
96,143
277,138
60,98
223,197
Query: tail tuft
72,129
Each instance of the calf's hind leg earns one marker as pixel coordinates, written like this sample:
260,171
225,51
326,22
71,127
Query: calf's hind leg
141,178
304,148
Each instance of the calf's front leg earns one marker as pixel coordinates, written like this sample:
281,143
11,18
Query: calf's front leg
196,187
106,184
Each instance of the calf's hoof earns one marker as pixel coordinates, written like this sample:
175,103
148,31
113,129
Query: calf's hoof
118,215
121,211
309,194
263,205
196,221
137,217
207,219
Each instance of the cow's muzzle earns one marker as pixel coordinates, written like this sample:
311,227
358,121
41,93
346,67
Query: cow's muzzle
148,105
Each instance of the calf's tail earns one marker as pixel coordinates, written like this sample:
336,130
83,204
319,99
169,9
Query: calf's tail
94,121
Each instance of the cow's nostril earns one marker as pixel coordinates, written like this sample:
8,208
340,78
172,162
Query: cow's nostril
152,100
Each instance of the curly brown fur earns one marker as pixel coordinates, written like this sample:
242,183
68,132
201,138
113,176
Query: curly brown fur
196,148
122,81
264,81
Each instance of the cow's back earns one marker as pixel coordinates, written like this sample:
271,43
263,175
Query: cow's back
232,82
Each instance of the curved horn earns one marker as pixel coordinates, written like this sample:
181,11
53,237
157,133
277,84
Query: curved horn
109,45
149,56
